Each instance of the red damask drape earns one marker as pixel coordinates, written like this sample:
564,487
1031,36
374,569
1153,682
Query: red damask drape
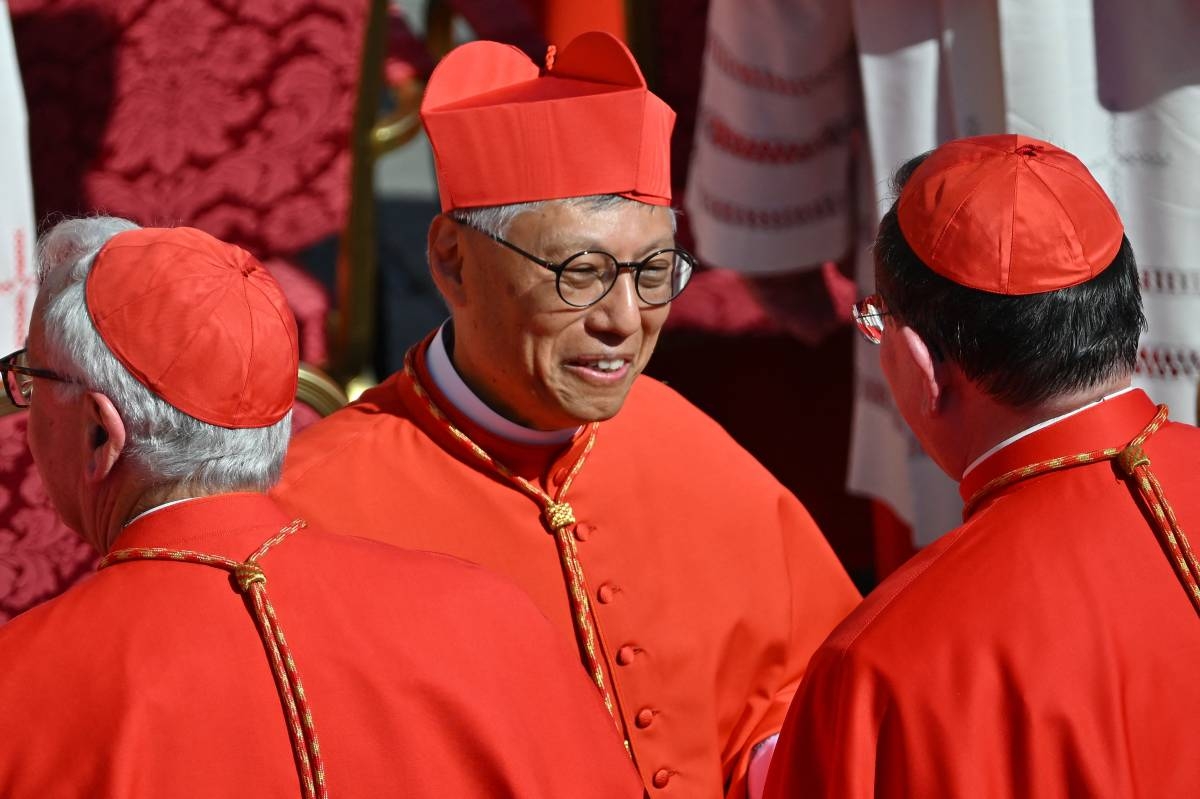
229,115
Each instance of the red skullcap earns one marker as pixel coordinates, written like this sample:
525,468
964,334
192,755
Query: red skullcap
197,321
503,132
1009,214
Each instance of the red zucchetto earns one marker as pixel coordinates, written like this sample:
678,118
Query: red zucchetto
1009,214
505,132
199,322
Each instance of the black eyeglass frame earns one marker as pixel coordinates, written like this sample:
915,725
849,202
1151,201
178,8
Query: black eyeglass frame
7,366
635,267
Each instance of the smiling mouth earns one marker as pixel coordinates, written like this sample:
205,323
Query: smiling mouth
601,370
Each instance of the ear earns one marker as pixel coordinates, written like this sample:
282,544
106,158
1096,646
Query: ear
927,372
106,437
446,259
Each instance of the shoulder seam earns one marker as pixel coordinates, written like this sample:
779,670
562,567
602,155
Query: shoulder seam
344,441
901,589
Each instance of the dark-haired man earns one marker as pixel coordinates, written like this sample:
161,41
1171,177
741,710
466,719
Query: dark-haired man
1047,647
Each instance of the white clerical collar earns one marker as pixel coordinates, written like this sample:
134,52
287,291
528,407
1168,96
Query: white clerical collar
157,508
467,402
1041,426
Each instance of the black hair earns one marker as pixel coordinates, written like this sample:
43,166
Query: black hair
1021,350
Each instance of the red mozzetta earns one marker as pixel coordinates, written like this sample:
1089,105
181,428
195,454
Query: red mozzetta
426,677
1045,648
709,583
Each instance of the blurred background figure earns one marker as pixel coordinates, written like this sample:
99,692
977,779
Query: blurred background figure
18,285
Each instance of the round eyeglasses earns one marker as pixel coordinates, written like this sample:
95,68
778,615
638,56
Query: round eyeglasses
868,315
586,277
18,377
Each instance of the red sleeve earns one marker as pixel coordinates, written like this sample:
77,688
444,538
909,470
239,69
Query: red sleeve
822,595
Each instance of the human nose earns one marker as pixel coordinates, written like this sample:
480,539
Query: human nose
620,311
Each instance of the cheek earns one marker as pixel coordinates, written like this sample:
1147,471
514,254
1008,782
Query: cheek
550,325
652,324
904,391
43,434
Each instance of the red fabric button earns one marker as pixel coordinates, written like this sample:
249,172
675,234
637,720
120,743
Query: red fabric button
644,718
661,778
560,476
583,531
605,594
625,655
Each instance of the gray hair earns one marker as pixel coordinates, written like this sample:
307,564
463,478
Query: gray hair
164,445
496,219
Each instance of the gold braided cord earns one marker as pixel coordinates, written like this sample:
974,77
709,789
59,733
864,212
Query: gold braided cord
1134,465
1182,556
251,581
1054,464
559,516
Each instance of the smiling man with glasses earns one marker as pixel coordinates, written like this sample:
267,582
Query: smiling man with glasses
522,434
1048,646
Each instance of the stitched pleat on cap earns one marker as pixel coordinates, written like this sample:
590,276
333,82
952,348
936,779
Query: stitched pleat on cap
1009,214
503,131
199,322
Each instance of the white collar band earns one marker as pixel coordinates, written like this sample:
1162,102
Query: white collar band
1040,426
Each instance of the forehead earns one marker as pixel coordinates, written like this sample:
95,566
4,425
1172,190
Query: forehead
611,225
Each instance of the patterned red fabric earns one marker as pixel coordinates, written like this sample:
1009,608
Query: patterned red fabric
228,115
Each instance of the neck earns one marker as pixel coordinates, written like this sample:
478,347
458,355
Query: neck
456,386
116,509
995,422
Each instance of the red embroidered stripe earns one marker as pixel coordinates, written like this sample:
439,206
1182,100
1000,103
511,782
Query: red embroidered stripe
1170,281
767,151
1168,362
772,218
759,78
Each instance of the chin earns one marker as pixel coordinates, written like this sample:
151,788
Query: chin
592,413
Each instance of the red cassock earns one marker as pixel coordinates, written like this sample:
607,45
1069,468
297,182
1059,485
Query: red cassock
1046,648
426,676
710,584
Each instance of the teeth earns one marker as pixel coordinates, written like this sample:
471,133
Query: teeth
609,366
